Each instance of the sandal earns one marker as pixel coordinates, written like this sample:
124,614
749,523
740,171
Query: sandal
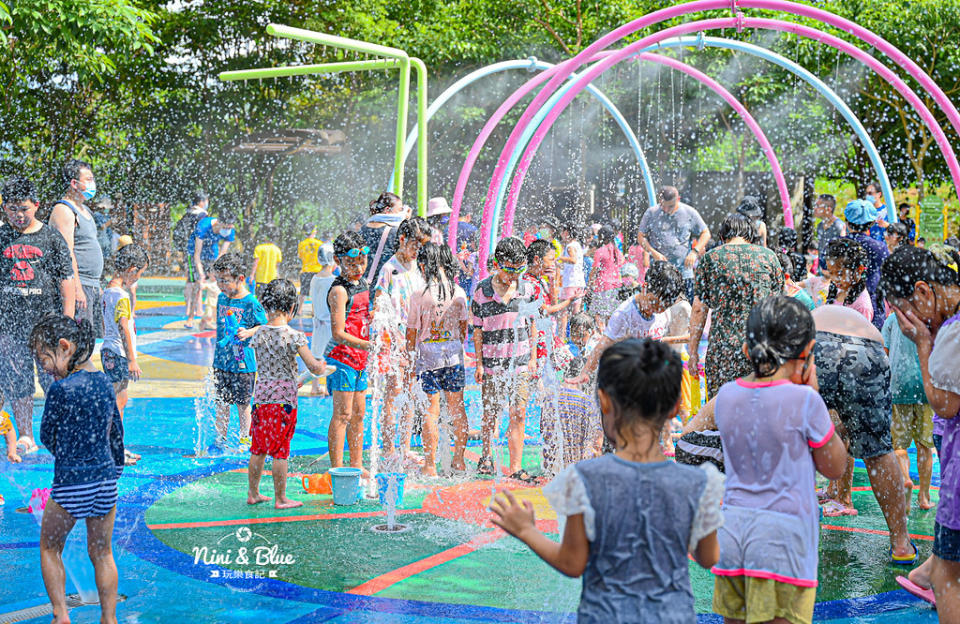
905,560
485,466
923,593
523,475
834,509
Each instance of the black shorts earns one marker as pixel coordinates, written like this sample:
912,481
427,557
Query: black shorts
94,310
233,388
305,279
946,543
854,377
17,369
700,447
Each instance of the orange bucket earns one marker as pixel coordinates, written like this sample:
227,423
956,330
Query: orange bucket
317,483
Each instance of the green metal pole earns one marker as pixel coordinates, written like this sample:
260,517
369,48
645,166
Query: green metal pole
422,195
343,43
301,70
403,100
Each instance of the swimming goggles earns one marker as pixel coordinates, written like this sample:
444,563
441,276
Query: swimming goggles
355,252
514,270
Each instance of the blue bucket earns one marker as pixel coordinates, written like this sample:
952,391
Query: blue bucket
346,485
383,484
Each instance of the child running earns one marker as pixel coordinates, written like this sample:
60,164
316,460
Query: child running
234,363
81,428
347,350
629,519
274,420
776,433
119,350
319,286
436,329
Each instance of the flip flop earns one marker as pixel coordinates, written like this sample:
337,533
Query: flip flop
905,560
524,476
28,448
822,495
834,509
916,590
485,466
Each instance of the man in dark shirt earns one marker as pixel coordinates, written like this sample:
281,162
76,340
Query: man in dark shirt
904,210
36,278
861,215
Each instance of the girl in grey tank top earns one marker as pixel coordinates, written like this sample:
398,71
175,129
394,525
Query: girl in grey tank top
628,519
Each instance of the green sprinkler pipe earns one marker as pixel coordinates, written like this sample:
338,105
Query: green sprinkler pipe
343,43
301,70
422,119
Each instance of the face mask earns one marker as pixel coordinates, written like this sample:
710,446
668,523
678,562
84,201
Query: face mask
226,232
870,198
90,191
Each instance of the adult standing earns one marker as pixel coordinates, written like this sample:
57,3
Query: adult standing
36,278
76,224
183,234
466,230
861,217
438,216
666,231
829,228
903,212
731,279
308,250
379,233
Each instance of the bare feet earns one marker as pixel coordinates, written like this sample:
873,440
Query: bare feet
429,472
62,619
257,499
13,457
458,464
921,574
924,502
286,503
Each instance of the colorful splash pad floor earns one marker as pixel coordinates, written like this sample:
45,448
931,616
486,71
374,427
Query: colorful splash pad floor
323,563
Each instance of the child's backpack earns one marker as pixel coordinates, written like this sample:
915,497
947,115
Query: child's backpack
184,229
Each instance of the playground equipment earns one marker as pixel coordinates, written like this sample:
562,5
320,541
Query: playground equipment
701,41
739,21
392,58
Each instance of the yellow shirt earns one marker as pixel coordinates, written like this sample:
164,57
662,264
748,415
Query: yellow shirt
268,256
307,250
5,424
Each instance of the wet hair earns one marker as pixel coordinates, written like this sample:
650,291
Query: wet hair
829,200
51,328
606,235
279,296
438,268
899,229
787,238
582,321
72,168
383,203
664,280
325,254
668,193
575,229
642,379
510,249
786,263
852,256
227,218
198,197
347,241
903,205
750,207
874,184
131,256
909,265
17,189
539,248
737,225
575,367
231,263
778,329
414,227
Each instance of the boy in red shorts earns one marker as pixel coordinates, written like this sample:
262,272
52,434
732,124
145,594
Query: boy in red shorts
277,346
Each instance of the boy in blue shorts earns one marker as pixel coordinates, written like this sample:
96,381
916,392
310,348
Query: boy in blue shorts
234,363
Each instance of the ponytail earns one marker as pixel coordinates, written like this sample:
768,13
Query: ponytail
778,330
48,332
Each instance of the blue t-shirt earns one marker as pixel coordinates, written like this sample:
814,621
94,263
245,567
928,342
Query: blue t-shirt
906,380
237,358
82,430
877,232
211,240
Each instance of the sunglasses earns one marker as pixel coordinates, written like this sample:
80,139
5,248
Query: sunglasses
355,252
514,270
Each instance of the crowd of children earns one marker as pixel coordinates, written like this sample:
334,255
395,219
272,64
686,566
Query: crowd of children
602,349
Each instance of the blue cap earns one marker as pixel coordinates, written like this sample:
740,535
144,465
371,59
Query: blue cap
860,212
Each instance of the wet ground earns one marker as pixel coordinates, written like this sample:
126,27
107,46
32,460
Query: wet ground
183,523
